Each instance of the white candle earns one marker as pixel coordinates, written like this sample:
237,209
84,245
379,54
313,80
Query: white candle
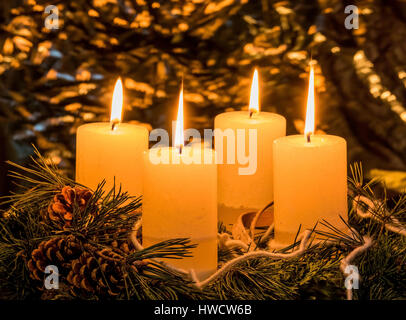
239,193
111,151
180,200
310,179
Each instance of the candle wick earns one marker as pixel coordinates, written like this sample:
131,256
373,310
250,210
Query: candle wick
113,124
180,149
308,137
251,113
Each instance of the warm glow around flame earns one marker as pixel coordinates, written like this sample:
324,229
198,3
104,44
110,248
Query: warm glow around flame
254,97
117,102
179,138
309,127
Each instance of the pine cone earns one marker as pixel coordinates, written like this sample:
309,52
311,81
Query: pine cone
97,273
118,240
58,251
60,210
100,272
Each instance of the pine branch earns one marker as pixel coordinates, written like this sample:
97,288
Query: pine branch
171,249
41,181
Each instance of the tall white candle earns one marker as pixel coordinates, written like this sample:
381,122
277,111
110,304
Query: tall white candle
180,200
111,151
239,193
310,179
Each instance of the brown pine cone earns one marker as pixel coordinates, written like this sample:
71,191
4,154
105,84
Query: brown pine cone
97,273
100,272
60,210
58,251
119,240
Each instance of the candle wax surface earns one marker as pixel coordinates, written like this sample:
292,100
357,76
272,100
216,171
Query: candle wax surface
310,184
103,153
241,193
180,201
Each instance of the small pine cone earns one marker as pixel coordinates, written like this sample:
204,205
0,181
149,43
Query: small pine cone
118,240
58,251
99,273
60,210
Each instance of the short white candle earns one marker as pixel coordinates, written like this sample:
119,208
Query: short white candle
241,193
111,151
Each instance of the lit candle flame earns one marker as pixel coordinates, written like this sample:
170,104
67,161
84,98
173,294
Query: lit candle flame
254,97
309,126
117,103
179,138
